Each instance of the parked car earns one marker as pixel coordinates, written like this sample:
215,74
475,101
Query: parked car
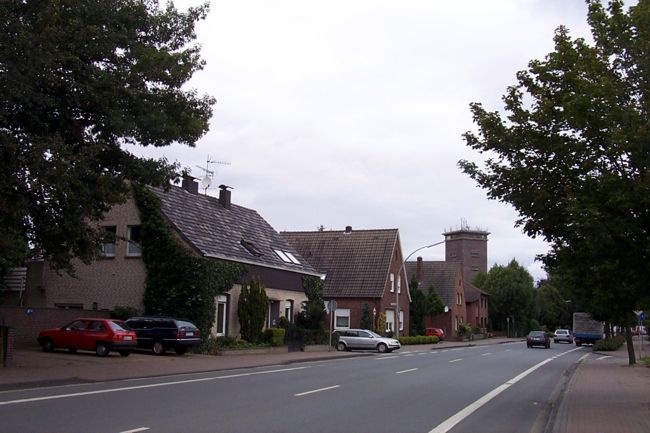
437,332
562,335
364,339
538,338
98,334
163,333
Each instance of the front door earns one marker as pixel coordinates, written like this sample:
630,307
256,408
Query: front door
274,314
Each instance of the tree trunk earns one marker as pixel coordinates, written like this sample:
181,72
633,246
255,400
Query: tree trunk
630,346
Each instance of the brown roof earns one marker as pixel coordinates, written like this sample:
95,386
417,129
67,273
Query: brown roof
357,263
473,293
236,234
441,275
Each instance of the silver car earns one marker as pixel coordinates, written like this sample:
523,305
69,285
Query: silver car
364,339
562,335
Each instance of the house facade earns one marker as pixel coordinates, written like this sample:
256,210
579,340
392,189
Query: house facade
211,227
363,269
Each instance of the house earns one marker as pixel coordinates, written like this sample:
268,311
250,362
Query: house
208,226
364,269
465,257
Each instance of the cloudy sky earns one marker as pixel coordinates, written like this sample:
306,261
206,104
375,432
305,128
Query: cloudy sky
352,112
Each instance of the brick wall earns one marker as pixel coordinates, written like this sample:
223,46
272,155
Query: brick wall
26,323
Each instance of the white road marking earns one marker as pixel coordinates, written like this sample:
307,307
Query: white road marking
316,390
603,357
487,353
455,360
153,385
435,351
450,422
455,350
136,430
409,354
406,371
379,358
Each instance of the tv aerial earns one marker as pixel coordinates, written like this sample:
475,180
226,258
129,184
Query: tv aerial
209,174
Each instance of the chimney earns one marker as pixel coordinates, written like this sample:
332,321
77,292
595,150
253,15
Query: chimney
190,185
348,230
419,271
224,196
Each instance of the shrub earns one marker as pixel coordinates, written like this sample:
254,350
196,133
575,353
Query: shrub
464,330
646,360
274,336
123,313
419,339
609,344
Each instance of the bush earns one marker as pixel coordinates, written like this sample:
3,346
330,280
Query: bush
419,339
274,336
646,360
123,313
214,345
609,344
464,330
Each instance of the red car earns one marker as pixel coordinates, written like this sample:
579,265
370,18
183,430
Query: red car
435,332
98,334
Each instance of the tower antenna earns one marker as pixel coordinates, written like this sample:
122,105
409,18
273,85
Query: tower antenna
209,174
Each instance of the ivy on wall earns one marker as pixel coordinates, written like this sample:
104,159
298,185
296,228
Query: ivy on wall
179,283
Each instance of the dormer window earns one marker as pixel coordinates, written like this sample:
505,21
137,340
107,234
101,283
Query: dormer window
251,248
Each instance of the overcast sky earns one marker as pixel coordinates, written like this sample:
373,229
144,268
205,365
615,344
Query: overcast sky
351,112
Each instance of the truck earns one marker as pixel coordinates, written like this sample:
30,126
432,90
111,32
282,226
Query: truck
585,329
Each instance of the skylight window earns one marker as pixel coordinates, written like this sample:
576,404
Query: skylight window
283,256
292,258
251,248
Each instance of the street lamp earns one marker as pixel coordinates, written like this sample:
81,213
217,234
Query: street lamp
399,277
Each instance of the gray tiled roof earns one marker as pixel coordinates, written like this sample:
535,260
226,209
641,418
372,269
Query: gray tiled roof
357,263
217,232
442,275
473,293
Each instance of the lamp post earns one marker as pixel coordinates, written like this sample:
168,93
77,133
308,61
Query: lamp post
399,277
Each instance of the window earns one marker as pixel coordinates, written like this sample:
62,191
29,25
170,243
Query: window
399,283
390,320
133,247
108,247
288,310
292,257
221,315
475,268
392,282
287,257
251,248
342,318
97,326
70,306
475,253
401,320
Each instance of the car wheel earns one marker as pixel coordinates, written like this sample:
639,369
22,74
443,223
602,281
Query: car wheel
528,345
382,348
341,347
71,350
125,352
47,345
180,350
158,348
555,341
101,349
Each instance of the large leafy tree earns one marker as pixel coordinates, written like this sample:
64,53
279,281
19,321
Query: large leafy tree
78,79
511,296
571,154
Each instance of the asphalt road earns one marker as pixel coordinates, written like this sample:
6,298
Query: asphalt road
497,388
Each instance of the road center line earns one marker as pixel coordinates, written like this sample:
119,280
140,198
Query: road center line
450,422
455,360
316,390
486,354
136,430
153,385
406,371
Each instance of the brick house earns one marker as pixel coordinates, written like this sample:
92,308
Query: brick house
211,227
466,256
362,267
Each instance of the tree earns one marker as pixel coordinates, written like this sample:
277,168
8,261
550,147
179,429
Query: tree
552,309
417,309
312,316
366,317
572,156
252,308
511,296
434,303
79,79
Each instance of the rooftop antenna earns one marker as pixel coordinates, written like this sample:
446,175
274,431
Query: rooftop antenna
209,174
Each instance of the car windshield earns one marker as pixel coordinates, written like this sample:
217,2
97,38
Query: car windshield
561,331
119,326
536,333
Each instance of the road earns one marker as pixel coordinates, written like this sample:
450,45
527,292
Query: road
497,388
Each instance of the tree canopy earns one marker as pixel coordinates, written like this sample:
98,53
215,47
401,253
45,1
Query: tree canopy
571,154
79,79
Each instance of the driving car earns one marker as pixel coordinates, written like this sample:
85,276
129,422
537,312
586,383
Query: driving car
163,333
98,334
562,335
364,339
538,338
437,332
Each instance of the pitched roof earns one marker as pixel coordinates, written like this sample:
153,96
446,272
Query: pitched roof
473,293
357,263
236,234
441,275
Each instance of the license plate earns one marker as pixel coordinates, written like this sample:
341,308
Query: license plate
189,334
128,338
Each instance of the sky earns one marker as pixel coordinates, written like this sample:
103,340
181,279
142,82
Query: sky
336,113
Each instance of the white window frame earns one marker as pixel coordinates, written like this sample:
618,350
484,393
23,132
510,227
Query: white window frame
343,313
288,310
401,320
392,282
109,248
133,248
221,300
399,283
390,320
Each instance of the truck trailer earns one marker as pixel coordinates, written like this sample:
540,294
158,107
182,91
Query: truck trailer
585,329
